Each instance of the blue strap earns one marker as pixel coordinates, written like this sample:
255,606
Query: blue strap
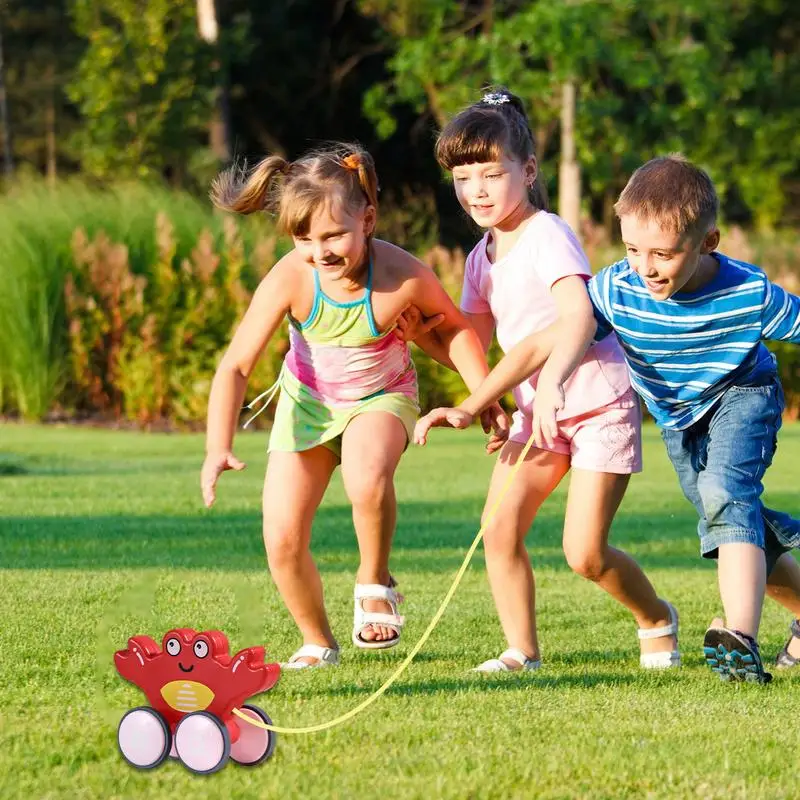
368,301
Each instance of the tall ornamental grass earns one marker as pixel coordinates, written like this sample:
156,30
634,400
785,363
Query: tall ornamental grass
51,240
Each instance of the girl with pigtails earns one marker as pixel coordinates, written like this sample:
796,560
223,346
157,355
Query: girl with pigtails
348,387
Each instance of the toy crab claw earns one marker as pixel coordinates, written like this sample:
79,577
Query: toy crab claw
193,685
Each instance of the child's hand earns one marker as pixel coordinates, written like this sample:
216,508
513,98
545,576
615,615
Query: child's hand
411,325
214,465
441,418
495,422
548,402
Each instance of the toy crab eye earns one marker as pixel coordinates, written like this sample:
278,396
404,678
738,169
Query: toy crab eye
200,649
173,647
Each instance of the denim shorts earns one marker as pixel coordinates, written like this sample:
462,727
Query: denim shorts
721,460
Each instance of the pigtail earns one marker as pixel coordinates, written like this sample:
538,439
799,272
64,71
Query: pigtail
246,192
361,162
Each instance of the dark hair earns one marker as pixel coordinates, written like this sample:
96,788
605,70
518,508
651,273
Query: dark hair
296,189
495,126
674,193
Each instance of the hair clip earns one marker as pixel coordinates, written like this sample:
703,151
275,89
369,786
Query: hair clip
495,99
353,161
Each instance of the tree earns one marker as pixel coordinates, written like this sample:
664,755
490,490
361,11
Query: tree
143,86
219,125
716,79
40,52
8,162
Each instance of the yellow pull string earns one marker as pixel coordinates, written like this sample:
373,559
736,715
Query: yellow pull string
425,636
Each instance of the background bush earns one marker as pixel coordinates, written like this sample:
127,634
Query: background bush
118,303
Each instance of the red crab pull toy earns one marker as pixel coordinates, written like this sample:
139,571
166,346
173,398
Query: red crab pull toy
193,685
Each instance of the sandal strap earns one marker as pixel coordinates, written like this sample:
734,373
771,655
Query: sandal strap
515,654
381,618
664,630
795,628
663,659
492,665
376,591
326,654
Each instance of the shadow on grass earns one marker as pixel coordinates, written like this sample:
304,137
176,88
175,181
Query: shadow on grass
492,682
431,537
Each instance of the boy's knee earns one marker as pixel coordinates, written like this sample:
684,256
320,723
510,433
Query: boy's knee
720,500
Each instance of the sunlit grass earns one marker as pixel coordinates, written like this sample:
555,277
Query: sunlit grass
102,536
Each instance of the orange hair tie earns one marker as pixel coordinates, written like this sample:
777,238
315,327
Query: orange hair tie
353,161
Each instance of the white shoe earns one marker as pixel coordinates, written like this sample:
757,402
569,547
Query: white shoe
326,657
363,619
513,654
664,659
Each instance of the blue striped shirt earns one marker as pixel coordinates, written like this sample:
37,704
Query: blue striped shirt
684,352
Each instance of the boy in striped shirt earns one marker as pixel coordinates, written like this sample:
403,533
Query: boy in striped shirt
690,321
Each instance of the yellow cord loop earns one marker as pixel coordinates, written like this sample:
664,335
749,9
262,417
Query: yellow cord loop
322,726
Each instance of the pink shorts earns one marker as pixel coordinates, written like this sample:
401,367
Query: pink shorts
606,439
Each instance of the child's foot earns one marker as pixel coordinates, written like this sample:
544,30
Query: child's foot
511,660
376,623
659,644
733,655
790,655
375,632
313,656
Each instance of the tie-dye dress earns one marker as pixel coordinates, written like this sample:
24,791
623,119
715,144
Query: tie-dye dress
339,366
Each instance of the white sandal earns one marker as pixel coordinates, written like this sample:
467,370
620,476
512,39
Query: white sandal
664,659
326,657
364,619
498,665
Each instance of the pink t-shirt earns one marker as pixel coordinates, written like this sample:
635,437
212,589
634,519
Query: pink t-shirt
516,291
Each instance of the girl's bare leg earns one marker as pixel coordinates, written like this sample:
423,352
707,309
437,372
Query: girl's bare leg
507,563
372,446
293,489
593,500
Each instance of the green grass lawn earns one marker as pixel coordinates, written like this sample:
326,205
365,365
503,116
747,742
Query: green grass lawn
103,536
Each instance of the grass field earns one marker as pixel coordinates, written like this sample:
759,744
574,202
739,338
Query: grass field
103,536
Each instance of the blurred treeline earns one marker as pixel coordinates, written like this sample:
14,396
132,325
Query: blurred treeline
119,286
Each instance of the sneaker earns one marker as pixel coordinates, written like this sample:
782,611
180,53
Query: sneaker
734,656
784,660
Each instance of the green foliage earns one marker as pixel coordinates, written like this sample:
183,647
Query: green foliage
652,78
40,52
146,347
120,301
143,86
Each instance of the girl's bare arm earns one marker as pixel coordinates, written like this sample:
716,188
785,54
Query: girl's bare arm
270,303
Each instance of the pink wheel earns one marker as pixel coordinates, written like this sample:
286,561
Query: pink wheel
143,737
254,745
202,742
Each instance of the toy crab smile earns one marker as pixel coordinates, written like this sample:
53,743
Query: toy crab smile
193,719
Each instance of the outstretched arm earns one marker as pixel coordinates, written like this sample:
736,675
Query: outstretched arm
577,327
459,345
423,332
268,307
516,366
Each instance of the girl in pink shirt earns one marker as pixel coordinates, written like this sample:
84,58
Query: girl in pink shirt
527,272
